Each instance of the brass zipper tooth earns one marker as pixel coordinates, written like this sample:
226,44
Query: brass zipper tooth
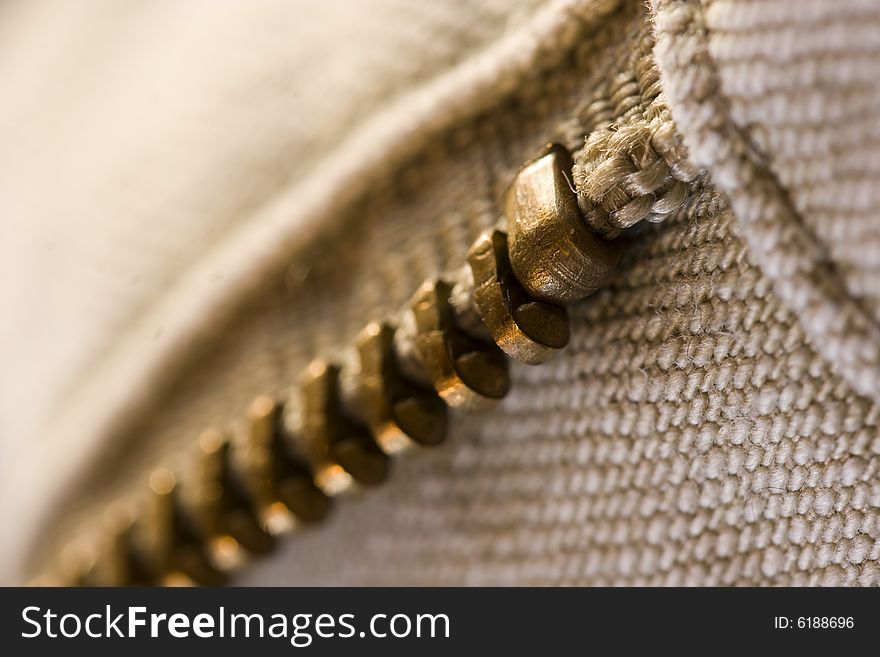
462,300
405,348
219,507
399,412
340,450
530,331
338,426
116,563
554,255
466,373
162,536
278,481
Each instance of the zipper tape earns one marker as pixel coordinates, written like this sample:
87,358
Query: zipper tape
239,492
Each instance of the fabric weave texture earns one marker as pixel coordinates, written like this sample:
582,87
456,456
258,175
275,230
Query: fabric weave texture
714,420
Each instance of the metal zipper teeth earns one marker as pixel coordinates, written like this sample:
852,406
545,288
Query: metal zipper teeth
240,491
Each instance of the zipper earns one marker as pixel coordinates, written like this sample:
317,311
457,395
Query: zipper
239,492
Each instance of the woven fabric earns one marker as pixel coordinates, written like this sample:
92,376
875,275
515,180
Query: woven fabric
688,436
704,426
150,156
779,101
372,243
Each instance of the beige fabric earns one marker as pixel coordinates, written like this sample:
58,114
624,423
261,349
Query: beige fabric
779,100
701,429
688,436
188,148
695,432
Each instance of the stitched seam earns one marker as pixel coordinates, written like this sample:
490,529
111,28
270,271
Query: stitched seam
837,324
